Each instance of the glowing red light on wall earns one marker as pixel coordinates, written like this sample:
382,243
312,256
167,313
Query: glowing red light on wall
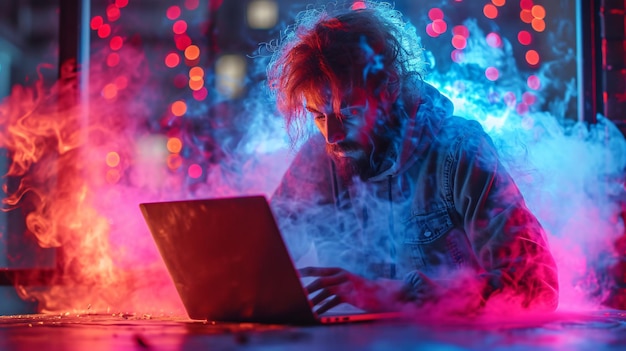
524,37
113,13
173,12
194,171
116,43
121,3
499,2
494,40
104,31
172,60
179,27
96,22
435,14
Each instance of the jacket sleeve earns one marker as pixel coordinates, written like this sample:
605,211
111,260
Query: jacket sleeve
301,198
508,240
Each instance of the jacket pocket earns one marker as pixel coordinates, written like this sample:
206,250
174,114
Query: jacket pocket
424,246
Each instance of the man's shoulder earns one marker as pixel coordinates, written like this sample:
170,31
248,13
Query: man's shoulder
311,160
455,128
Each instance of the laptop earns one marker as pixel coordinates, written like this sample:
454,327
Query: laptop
229,263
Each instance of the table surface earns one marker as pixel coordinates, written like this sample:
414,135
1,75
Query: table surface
594,330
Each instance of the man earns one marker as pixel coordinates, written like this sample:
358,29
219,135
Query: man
407,205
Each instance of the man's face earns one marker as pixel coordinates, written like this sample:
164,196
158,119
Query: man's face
352,135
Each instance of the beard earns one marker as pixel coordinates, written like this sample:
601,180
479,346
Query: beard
364,160
353,159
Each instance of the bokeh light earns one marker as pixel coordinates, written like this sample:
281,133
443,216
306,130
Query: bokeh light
174,161
494,40
179,108
200,94
459,42
113,59
440,26
457,56
179,27
262,14
116,43
492,73
460,30
526,16
112,159
196,83
529,98
524,37
532,57
192,52
533,82
174,145
538,11
96,22
526,4
109,91
113,13
173,12
192,4
435,14
358,5
490,11
430,31
538,25
194,171
182,41
104,31
172,60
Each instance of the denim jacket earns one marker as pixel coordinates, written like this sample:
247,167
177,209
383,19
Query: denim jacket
447,218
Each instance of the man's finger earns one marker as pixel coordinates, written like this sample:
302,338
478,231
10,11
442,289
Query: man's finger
326,282
323,295
318,271
334,301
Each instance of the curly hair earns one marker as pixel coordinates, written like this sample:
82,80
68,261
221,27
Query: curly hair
338,47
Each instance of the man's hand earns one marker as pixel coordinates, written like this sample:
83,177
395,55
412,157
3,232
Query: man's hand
336,286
